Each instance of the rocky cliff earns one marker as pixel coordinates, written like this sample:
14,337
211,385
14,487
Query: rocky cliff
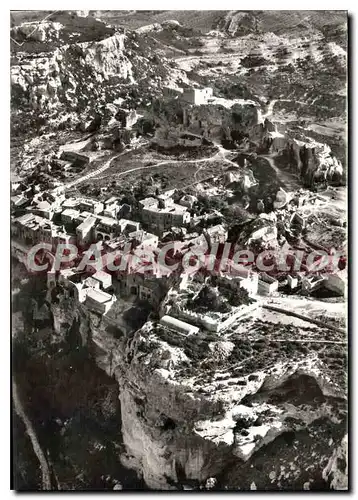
191,410
58,80
240,123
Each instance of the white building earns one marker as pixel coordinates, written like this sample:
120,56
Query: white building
99,301
85,231
292,282
312,283
103,278
178,325
106,228
197,96
92,206
111,207
128,225
143,239
71,203
216,234
163,213
242,278
69,215
267,285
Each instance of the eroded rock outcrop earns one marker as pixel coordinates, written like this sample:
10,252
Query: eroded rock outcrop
314,162
40,32
336,471
189,413
51,81
61,83
231,123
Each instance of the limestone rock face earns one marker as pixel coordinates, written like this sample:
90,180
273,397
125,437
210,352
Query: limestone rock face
52,81
72,80
39,32
214,122
314,161
336,471
107,57
179,426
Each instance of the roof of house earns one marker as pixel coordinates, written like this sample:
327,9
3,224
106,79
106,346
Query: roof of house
175,323
70,212
126,222
212,215
146,202
24,219
85,214
19,199
108,221
43,205
33,221
99,296
90,282
115,243
90,203
174,208
101,276
70,203
87,223
111,200
142,235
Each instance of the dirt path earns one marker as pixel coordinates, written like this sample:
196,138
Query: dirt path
269,111
306,318
315,341
45,470
96,172
91,174
219,156
290,181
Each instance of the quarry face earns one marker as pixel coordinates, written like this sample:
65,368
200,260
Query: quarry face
178,249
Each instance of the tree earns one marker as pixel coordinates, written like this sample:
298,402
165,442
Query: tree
209,299
235,214
142,190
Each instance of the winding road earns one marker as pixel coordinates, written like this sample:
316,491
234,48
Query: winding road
98,171
91,174
219,156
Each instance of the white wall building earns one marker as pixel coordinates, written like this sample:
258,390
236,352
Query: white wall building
99,301
197,96
85,231
267,285
178,325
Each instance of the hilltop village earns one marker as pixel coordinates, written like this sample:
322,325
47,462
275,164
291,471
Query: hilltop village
186,219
